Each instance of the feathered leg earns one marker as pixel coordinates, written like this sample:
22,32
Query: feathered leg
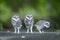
31,29
40,31
15,29
18,30
27,30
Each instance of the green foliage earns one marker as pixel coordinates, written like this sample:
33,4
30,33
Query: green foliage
5,13
38,8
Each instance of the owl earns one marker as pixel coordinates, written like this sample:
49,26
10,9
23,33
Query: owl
42,24
29,21
16,22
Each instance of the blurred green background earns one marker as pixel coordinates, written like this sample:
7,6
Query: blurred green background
40,9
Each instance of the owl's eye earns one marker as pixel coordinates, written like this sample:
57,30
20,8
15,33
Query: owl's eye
27,16
30,16
14,17
46,23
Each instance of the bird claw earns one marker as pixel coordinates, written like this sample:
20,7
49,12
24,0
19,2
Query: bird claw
27,32
41,31
31,32
14,32
17,32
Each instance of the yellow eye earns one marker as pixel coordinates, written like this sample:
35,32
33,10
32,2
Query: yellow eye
46,23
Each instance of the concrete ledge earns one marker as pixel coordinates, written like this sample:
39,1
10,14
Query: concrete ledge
29,36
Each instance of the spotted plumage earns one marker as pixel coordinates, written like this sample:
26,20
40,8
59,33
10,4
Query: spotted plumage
41,24
29,22
16,22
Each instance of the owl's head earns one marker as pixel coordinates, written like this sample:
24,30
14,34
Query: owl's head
29,16
15,17
47,24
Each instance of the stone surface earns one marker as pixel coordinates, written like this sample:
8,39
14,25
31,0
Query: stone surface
29,36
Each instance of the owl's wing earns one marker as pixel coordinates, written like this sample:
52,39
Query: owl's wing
18,23
39,24
13,22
